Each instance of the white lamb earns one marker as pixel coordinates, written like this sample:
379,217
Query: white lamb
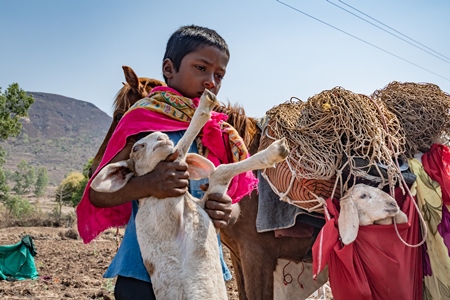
365,205
177,239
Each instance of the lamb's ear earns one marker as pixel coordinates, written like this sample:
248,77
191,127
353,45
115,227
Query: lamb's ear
113,177
401,218
348,222
198,166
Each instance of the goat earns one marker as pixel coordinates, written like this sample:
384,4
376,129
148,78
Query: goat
177,239
365,205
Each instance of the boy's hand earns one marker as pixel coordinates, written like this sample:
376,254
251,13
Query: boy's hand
169,178
220,209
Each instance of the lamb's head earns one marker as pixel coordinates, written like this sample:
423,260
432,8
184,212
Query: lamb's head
372,203
149,151
145,155
365,205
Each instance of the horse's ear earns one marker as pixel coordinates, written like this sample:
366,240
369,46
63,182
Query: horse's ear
131,77
198,166
113,177
348,222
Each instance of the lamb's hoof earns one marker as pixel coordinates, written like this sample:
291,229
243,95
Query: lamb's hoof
208,96
281,148
277,152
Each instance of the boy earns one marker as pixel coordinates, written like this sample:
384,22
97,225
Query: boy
196,58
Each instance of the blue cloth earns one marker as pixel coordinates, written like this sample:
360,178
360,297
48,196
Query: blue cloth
275,214
128,260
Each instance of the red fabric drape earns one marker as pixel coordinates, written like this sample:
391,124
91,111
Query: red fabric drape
377,265
436,163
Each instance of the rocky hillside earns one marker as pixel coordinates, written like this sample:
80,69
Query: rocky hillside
60,134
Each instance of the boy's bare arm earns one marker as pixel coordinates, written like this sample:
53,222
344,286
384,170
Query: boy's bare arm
168,179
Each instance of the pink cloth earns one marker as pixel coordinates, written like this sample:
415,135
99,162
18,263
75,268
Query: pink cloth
93,220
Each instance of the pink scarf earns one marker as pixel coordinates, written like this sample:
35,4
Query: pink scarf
93,220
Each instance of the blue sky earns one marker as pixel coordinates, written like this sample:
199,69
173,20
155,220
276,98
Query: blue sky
76,48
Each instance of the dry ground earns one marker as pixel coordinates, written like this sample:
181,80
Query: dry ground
68,268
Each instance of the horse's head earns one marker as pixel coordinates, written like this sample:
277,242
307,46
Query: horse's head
134,89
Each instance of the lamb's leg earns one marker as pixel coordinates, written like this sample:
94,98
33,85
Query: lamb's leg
267,158
201,116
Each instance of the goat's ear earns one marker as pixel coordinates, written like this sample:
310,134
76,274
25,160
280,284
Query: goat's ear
113,177
198,166
401,218
348,222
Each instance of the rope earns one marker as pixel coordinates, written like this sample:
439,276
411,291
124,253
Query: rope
397,166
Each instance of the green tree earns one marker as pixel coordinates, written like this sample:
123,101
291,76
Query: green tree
64,192
24,178
41,182
4,188
14,105
30,179
17,206
78,193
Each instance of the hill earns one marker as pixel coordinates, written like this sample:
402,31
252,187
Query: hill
60,134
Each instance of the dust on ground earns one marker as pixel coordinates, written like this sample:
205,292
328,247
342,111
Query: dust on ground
70,269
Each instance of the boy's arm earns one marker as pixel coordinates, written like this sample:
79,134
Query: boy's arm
168,179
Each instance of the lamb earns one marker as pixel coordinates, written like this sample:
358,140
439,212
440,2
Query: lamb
177,239
365,205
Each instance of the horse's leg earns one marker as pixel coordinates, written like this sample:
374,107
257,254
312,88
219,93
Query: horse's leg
239,276
228,237
257,253
258,266
253,264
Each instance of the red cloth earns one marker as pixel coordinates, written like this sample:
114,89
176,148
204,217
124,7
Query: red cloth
92,220
377,265
436,162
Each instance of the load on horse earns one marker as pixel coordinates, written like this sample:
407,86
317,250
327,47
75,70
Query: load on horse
390,140
344,139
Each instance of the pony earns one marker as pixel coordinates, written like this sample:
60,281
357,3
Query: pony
134,89
249,249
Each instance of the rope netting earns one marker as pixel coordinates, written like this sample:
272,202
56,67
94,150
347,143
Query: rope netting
332,131
423,111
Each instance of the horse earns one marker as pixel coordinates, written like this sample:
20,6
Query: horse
134,89
255,255
250,250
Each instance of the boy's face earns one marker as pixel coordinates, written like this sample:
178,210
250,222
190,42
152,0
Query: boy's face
203,68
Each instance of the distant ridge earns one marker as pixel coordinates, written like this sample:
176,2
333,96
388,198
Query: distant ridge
60,133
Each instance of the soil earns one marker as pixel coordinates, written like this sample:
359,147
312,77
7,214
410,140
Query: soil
70,269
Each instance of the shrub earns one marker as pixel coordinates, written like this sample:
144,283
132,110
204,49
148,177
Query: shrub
18,207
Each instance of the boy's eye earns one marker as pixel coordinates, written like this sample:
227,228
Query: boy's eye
201,68
220,76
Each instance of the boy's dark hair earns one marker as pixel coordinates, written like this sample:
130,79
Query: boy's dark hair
188,39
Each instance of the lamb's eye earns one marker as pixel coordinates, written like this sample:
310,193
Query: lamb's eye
137,147
363,196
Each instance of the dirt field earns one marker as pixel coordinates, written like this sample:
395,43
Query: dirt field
68,268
